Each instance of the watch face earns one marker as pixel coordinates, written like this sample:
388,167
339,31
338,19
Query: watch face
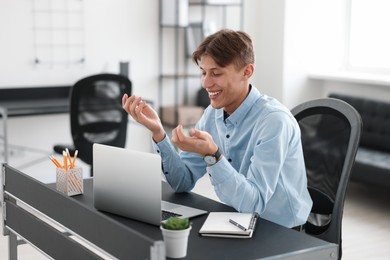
210,159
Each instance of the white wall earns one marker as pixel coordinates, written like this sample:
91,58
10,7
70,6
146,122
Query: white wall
315,41
292,38
283,34
123,30
115,31
264,21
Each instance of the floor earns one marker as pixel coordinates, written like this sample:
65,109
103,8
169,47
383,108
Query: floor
366,224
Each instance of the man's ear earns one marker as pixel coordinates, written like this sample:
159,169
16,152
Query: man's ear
248,70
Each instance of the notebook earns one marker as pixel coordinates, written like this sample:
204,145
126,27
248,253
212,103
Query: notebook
128,183
229,224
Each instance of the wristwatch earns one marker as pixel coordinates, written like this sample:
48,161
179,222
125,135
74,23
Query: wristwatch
212,159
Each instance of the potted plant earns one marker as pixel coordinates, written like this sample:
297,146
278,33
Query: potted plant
175,232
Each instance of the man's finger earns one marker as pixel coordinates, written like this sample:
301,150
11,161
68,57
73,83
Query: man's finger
198,134
180,133
174,136
124,98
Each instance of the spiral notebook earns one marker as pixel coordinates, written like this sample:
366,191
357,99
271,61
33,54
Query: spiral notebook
229,224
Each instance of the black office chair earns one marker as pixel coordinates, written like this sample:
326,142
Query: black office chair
330,133
96,114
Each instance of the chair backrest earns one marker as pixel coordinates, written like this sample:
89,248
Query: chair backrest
96,114
330,134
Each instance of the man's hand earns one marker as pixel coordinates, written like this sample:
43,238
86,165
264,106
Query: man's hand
198,142
145,115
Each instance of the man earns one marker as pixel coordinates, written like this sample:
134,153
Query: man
248,143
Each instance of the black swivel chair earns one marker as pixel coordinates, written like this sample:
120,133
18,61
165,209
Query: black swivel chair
96,114
330,133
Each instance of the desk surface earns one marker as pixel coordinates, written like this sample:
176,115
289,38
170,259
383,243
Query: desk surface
35,100
126,238
269,240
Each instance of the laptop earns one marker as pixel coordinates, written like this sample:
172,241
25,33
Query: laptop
128,183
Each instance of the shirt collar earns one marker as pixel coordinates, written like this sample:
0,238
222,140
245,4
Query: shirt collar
244,108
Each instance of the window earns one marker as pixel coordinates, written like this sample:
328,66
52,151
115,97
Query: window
368,36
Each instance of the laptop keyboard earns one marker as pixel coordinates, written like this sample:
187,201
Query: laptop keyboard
167,214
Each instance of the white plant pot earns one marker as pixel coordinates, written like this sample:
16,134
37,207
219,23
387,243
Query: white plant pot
176,242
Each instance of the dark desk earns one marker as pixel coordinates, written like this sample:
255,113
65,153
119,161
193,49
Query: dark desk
124,238
35,100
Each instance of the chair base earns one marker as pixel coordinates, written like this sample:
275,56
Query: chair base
61,147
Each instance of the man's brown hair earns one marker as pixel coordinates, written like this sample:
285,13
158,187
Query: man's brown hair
227,47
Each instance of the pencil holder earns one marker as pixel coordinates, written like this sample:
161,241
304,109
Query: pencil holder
70,182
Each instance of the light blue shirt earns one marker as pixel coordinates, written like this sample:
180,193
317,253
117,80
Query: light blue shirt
262,168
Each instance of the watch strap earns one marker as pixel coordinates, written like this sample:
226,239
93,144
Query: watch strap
217,154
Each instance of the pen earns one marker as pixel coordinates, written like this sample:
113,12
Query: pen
237,225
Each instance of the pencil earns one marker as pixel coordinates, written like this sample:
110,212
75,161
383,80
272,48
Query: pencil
65,160
70,160
54,160
75,157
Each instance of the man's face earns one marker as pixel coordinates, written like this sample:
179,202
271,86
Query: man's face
227,87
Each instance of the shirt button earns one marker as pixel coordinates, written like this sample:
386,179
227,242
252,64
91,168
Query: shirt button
230,160
227,136
165,173
158,151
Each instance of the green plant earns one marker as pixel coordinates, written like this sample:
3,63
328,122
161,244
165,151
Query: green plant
176,223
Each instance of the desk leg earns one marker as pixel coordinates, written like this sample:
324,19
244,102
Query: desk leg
3,113
12,246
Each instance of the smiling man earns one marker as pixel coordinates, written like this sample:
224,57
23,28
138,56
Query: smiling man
247,142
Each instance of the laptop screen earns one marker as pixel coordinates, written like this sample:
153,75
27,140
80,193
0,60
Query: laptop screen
127,183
